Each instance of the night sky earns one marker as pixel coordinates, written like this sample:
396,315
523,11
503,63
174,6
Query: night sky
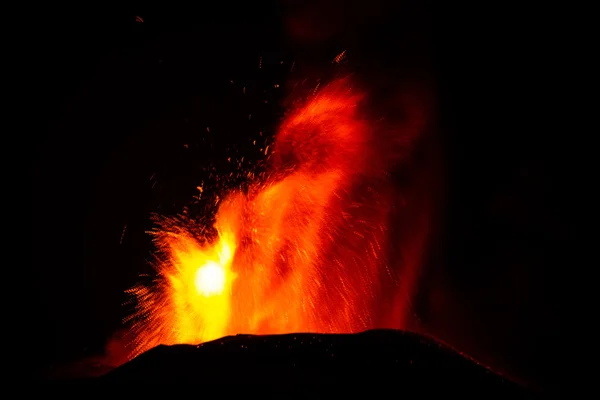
123,108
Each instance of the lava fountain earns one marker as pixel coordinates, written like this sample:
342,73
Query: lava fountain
303,249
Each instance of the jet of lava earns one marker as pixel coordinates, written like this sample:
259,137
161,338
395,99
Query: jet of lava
304,249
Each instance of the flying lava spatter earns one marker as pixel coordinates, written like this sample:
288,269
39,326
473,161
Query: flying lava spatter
302,250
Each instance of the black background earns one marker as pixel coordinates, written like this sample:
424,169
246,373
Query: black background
116,101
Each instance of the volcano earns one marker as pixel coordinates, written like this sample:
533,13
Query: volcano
383,357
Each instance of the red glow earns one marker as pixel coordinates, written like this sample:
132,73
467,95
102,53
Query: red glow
305,249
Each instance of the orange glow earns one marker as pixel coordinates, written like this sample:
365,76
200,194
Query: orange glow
304,249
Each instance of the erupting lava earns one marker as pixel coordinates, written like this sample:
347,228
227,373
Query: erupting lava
304,249
210,279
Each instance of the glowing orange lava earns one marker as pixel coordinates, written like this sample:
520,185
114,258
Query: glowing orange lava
210,279
304,249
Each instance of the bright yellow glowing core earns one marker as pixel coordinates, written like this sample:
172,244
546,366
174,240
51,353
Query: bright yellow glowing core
210,279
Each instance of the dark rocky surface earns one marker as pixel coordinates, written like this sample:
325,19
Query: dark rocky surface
404,360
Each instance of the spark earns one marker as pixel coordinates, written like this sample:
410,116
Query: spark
123,234
340,57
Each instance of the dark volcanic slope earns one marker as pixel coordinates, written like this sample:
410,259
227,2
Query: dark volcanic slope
403,359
